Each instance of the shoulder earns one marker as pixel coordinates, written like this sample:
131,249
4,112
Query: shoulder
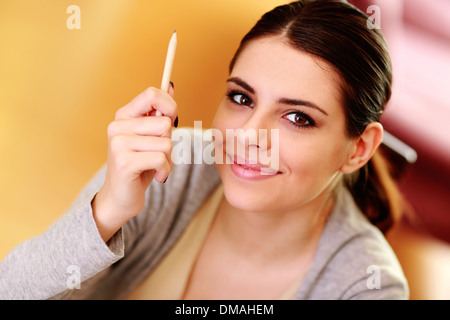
354,260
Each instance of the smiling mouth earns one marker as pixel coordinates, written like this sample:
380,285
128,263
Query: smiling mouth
253,167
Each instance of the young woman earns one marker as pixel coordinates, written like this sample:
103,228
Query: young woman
308,226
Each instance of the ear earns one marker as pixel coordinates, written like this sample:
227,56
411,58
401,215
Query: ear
363,147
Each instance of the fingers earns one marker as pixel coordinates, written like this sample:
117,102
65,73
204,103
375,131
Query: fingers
148,102
145,126
135,163
141,143
150,135
128,152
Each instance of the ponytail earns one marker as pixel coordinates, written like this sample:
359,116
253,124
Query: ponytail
376,193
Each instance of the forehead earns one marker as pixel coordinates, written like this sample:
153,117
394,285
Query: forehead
270,63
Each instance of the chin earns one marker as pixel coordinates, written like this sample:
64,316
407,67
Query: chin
252,196
248,201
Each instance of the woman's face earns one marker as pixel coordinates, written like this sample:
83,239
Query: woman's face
285,91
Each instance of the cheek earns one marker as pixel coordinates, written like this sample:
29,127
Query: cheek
221,122
223,119
312,162
216,123
226,120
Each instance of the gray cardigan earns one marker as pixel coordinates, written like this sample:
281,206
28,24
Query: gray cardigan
353,259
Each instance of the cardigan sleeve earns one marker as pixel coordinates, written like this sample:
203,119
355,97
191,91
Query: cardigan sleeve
56,262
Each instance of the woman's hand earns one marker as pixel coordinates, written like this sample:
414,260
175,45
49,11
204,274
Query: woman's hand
139,149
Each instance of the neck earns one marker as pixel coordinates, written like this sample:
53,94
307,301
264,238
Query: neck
275,235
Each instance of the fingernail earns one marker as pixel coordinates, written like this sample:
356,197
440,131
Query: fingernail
175,124
173,85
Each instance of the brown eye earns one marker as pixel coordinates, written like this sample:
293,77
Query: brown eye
243,100
300,119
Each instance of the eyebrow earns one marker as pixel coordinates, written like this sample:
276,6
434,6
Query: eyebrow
296,102
242,83
291,102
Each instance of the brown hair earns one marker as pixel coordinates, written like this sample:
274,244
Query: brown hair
337,32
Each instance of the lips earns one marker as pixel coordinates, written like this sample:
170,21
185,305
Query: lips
249,169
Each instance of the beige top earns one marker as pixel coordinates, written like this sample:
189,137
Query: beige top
169,279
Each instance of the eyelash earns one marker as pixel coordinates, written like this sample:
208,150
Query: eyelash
311,122
231,94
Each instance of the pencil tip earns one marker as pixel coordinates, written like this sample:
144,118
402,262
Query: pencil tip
175,31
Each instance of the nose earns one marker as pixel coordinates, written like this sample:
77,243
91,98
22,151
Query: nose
254,138
257,139
254,132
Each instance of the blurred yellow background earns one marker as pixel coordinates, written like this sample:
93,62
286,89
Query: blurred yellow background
60,88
